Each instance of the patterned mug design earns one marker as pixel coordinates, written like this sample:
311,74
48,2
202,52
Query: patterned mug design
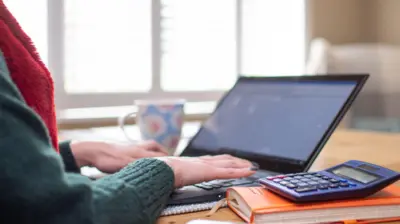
162,123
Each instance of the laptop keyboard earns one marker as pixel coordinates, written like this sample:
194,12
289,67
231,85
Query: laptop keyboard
216,184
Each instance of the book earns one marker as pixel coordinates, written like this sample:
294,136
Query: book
259,205
189,208
204,221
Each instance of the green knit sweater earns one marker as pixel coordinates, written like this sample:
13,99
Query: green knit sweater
40,186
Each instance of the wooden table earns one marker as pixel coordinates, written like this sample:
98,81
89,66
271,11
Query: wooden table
379,148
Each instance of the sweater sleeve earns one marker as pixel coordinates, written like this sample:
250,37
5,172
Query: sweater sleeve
68,157
36,188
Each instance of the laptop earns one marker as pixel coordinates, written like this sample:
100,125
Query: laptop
281,123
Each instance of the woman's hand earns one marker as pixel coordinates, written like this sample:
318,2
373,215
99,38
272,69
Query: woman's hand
111,157
192,170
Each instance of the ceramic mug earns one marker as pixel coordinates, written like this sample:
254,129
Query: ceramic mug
158,120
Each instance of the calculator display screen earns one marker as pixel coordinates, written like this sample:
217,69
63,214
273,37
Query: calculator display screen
355,174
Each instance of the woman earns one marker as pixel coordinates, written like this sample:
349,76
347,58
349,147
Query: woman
40,186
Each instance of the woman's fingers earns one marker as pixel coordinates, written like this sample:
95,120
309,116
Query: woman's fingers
227,167
191,170
155,147
230,173
152,154
217,157
230,163
227,161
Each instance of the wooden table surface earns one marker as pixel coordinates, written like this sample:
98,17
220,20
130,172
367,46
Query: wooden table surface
379,148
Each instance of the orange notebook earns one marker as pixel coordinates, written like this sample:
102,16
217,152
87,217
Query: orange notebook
258,205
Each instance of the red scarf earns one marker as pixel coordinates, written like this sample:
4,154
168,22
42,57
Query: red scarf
27,71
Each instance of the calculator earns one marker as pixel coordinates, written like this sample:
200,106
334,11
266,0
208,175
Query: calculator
352,179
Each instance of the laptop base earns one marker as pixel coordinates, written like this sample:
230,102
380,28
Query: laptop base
212,190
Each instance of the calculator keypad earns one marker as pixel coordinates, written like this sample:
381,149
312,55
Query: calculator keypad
333,185
323,182
307,182
284,183
302,184
323,186
294,181
306,189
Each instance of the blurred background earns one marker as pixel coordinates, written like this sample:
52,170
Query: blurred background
104,54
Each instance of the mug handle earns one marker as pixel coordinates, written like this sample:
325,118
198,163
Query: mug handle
121,124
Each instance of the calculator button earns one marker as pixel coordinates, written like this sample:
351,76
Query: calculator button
323,182
308,176
318,175
344,184
287,178
301,184
280,176
270,178
291,186
294,181
304,179
333,185
313,183
326,177
315,178
343,180
298,177
306,189
284,183
323,186
333,180
352,185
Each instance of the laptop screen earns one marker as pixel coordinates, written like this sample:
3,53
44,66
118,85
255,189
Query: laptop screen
281,119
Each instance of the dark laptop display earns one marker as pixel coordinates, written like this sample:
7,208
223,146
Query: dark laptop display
281,123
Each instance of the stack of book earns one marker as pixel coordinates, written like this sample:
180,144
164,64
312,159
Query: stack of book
259,205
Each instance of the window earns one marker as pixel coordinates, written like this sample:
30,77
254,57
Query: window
108,53
273,37
107,46
198,43
32,17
